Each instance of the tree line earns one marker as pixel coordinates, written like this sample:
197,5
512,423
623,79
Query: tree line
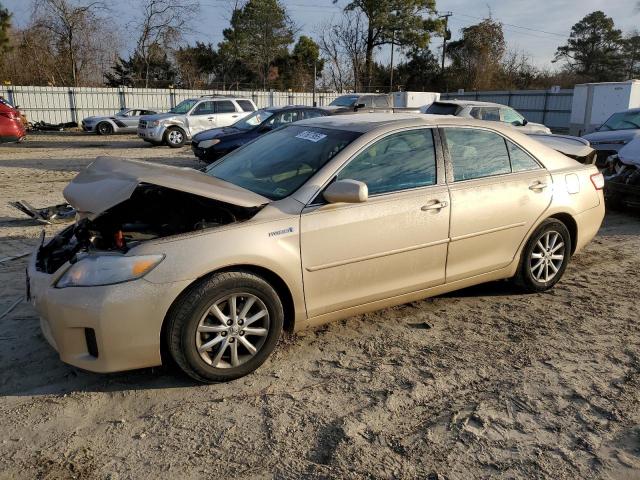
75,43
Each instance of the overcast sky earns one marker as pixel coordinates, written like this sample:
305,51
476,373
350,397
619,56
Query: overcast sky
536,27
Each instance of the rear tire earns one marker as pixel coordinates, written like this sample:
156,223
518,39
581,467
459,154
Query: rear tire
104,128
545,256
175,137
213,342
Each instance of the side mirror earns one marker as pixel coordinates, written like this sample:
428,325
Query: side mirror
346,191
265,128
524,122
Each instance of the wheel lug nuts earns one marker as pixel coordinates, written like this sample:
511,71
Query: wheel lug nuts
240,322
229,322
231,340
241,333
224,334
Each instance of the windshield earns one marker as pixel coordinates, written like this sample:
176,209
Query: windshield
253,120
442,109
622,121
184,106
278,163
345,101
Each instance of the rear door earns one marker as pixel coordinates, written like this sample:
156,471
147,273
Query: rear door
498,191
227,113
394,243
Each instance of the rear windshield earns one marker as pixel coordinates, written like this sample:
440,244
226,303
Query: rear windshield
345,101
278,163
246,105
442,109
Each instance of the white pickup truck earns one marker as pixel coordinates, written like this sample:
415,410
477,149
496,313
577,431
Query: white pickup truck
191,116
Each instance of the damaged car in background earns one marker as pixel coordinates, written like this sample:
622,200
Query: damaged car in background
622,176
316,221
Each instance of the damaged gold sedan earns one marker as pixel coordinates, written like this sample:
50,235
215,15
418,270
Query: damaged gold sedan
316,221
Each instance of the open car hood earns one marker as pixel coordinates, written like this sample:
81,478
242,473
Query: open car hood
109,181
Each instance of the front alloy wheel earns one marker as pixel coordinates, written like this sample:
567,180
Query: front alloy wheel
224,326
233,330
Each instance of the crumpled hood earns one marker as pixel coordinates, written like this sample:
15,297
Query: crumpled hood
607,136
217,133
630,153
109,181
158,116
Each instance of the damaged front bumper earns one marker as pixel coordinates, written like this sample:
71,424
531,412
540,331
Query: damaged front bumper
104,328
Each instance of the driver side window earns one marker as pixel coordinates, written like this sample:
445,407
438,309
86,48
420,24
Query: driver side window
398,162
204,108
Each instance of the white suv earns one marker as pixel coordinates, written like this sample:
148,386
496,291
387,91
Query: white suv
192,116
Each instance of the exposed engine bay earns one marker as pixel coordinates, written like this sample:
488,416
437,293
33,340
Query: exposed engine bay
151,212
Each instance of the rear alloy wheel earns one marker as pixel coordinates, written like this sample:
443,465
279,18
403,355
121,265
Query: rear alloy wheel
225,327
545,256
175,137
104,128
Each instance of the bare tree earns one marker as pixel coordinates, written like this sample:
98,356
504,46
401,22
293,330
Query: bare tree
79,38
344,46
162,24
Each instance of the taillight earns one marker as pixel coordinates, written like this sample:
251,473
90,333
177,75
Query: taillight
598,181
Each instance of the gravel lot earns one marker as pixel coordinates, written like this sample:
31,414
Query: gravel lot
482,383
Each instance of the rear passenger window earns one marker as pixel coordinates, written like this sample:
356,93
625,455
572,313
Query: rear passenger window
312,114
246,105
398,162
476,153
521,161
225,106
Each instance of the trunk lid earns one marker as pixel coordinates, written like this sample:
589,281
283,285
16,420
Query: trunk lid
109,181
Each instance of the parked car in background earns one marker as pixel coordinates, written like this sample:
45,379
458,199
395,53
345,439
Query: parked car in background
573,147
12,128
213,144
316,221
367,103
492,112
619,129
191,116
622,176
124,121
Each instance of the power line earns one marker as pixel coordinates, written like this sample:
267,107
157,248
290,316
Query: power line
515,26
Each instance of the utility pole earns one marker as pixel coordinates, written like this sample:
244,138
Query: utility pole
446,36
315,62
393,36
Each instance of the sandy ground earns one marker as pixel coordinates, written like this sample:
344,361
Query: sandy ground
482,383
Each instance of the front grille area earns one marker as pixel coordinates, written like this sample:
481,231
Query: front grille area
142,124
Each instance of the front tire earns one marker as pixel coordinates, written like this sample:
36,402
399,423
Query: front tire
545,256
225,327
104,128
175,137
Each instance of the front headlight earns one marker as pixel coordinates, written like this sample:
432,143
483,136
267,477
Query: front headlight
95,270
208,143
155,123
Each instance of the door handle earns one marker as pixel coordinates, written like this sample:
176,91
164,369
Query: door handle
538,186
434,206
234,116
211,118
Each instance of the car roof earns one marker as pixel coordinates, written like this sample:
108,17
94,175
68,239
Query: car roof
474,103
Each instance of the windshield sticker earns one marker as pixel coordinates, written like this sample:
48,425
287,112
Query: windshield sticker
311,136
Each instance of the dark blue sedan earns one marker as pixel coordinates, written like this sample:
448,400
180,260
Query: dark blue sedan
213,144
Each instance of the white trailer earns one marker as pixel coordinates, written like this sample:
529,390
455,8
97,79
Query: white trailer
594,103
414,99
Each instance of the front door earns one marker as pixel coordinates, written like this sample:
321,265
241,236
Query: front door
498,191
203,117
394,243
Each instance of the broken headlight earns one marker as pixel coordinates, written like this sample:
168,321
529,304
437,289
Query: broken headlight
94,270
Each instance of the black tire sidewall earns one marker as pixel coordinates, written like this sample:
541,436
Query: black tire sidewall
175,145
191,312
109,128
525,275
